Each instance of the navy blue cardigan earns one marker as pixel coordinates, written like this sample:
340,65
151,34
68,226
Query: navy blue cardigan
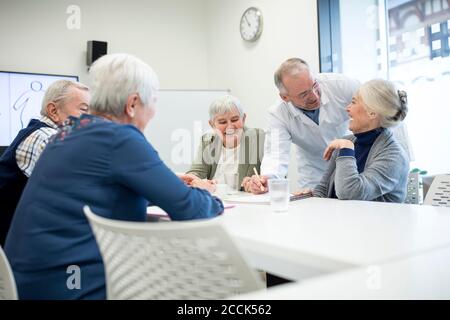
113,169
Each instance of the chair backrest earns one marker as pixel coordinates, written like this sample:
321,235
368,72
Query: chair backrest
439,192
8,290
426,182
170,260
413,190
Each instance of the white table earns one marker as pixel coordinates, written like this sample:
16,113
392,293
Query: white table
318,236
424,276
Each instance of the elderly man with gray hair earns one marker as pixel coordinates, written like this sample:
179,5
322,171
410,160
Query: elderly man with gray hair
232,148
62,99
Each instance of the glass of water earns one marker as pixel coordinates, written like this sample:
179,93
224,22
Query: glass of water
279,194
231,179
221,190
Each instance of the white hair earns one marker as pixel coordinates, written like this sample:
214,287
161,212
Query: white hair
383,98
115,77
290,67
223,105
59,93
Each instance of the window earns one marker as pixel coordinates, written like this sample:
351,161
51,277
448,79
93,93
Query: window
405,41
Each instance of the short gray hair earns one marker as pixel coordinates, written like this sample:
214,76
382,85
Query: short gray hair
291,66
223,105
115,77
383,98
58,92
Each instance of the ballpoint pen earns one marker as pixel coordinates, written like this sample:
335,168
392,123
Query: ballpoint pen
259,178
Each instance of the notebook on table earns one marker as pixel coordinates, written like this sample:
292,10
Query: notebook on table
261,198
158,213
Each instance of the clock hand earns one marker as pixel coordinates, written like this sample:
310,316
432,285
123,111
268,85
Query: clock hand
248,23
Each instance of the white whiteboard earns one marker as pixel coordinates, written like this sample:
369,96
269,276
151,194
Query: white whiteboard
21,97
180,120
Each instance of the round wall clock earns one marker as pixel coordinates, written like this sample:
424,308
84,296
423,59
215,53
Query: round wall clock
251,24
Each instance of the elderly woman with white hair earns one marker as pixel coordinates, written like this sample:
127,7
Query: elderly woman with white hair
102,160
231,147
371,165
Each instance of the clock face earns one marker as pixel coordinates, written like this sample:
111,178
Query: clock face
251,24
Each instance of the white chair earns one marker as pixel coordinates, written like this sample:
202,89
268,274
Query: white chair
439,192
413,189
170,260
8,289
426,182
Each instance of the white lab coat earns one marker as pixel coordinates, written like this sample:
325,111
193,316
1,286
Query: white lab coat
288,124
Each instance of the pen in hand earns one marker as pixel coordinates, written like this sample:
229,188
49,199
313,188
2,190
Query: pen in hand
259,178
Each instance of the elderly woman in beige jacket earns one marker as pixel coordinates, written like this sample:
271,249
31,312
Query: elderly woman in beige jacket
231,147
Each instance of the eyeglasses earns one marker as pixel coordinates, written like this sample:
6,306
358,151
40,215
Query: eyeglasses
314,88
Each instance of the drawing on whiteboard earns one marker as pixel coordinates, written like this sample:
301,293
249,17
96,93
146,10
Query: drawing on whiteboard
24,100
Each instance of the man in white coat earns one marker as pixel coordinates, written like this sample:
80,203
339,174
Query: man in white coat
311,114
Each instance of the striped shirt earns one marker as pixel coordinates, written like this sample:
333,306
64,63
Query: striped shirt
28,152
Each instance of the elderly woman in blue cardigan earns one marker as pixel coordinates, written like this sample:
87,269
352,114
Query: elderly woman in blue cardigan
102,160
370,165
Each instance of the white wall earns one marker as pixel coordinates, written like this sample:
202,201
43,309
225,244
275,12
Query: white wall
168,34
290,30
190,43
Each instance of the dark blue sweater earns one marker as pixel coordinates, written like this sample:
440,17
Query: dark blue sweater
12,179
113,169
363,144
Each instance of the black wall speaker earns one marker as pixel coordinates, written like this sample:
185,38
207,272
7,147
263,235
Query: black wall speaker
95,49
